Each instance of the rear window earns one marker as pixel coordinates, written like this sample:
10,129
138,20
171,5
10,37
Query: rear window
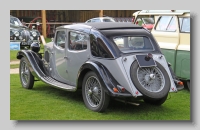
128,44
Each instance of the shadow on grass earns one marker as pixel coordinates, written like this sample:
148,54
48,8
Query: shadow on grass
114,106
61,94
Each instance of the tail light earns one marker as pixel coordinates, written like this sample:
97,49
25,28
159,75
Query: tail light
122,89
178,82
115,90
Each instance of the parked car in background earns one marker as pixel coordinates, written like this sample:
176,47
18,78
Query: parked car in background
19,33
118,60
171,29
100,19
123,19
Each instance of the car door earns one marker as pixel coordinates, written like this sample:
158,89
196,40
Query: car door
77,53
166,32
59,57
183,50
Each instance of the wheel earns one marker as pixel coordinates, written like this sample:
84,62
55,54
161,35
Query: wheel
188,84
153,82
93,93
156,102
26,78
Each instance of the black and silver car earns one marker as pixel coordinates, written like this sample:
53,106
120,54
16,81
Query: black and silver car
105,60
21,34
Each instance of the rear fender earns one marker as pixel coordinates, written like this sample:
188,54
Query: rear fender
107,80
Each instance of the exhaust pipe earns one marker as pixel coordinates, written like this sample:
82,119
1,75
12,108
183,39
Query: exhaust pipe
132,103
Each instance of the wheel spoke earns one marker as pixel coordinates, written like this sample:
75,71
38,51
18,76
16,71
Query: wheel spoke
94,96
24,73
149,83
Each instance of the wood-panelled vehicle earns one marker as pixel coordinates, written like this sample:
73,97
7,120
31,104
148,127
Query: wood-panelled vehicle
171,29
105,60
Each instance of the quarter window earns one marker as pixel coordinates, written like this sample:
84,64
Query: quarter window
60,39
99,48
77,41
184,24
166,23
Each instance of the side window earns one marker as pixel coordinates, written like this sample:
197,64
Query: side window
184,24
96,20
60,39
166,23
145,19
77,41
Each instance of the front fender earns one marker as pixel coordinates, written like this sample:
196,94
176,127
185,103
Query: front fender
105,77
35,63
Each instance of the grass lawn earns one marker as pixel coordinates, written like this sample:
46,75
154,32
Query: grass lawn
14,66
47,103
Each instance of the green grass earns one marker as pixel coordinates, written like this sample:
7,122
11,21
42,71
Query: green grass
47,103
13,54
13,66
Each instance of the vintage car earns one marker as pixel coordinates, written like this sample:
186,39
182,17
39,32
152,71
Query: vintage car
105,60
22,35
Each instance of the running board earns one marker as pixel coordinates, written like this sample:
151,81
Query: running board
57,84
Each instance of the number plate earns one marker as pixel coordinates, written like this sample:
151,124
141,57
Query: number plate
143,62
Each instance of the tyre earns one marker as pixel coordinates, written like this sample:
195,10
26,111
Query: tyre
153,82
26,78
93,93
188,84
156,102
